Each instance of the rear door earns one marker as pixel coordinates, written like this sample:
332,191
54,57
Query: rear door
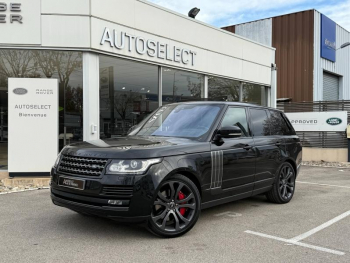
270,147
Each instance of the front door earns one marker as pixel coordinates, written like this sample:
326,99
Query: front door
233,160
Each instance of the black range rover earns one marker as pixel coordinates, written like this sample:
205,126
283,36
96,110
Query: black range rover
183,158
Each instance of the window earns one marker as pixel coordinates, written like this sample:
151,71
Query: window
278,125
181,86
235,116
65,66
128,93
255,94
185,120
260,124
223,89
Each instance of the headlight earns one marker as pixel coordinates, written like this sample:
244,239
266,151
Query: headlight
58,159
131,166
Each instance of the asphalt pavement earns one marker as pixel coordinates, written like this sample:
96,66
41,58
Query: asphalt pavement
313,227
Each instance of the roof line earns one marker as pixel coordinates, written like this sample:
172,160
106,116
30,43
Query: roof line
312,9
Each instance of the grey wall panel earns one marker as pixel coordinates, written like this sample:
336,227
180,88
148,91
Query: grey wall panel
259,31
341,67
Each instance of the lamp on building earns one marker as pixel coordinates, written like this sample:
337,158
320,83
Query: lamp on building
193,12
344,45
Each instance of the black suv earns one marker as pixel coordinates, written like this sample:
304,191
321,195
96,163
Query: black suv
183,158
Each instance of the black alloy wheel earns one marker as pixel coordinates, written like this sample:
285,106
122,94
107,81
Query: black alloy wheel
176,207
284,187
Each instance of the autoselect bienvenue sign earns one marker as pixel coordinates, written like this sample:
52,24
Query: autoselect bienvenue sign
33,125
319,121
122,40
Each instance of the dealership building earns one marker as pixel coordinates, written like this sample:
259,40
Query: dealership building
311,63
117,61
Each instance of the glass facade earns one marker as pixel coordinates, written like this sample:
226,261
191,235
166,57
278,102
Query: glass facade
61,65
255,94
128,93
129,90
181,86
223,89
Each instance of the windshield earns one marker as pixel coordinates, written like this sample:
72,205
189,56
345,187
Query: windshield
187,120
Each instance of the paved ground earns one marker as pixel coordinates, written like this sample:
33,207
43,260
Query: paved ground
251,230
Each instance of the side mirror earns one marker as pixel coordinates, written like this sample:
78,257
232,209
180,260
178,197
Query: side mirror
230,132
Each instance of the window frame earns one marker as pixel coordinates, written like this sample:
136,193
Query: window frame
248,122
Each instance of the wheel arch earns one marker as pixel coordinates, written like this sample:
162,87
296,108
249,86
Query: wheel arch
189,174
293,163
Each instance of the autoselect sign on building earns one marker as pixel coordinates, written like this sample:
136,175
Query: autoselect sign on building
149,47
319,121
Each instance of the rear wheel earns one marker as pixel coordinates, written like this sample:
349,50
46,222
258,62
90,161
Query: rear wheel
283,189
176,207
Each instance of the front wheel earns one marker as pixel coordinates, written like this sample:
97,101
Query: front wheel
176,207
283,189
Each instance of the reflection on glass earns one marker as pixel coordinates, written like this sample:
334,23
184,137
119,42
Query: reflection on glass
260,124
277,124
181,86
128,93
236,117
255,94
223,89
61,65
184,120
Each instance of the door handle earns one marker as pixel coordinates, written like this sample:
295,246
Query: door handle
247,147
278,144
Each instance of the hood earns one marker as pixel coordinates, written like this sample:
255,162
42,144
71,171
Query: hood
136,147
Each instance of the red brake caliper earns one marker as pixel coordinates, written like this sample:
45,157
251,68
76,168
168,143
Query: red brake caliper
182,210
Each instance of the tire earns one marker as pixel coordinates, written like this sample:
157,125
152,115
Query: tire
283,189
176,207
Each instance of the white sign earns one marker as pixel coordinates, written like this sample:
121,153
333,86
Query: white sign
32,125
319,121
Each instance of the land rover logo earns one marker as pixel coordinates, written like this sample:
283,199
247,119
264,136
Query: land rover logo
334,121
20,91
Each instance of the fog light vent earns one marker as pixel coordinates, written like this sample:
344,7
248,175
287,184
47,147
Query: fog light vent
115,202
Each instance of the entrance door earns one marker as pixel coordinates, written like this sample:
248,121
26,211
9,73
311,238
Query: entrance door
236,156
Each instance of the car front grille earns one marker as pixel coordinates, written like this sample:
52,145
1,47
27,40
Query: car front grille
83,166
117,191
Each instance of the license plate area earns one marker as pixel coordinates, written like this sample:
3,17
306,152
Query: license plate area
71,183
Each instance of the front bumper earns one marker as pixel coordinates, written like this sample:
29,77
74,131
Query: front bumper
134,194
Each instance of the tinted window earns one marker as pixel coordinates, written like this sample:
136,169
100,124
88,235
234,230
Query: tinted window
260,125
236,117
278,125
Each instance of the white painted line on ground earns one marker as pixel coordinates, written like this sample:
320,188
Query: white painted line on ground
229,213
319,228
24,190
332,185
297,243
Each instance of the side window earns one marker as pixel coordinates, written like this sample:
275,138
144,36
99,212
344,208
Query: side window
236,116
260,124
277,123
290,126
